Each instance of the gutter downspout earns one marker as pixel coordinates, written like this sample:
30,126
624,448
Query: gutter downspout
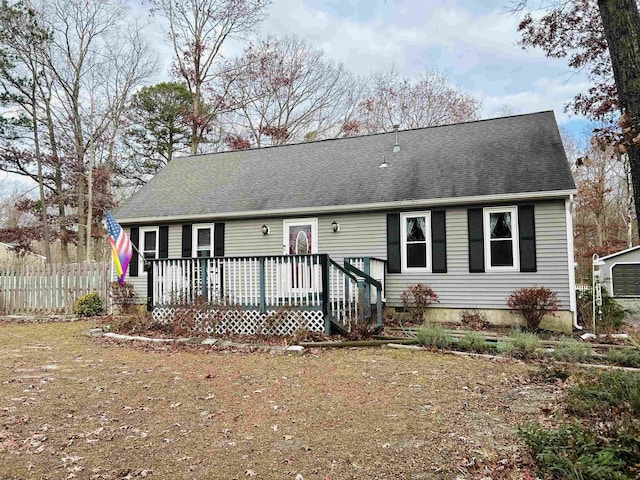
571,262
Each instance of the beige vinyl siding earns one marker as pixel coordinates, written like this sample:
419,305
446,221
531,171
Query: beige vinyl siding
175,251
460,289
364,234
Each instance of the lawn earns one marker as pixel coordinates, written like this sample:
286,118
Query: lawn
78,407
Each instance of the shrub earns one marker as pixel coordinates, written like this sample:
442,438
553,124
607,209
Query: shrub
89,305
474,319
473,342
522,345
533,304
433,335
611,394
613,313
576,452
124,297
417,298
570,350
626,358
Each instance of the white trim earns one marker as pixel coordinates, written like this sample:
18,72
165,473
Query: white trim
515,236
10,248
620,252
194,237
568,204
403,240
292,222
144,230
611,292
364,207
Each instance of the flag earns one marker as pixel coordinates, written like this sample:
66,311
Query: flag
121,250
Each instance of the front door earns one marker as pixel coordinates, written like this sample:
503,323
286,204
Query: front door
301,238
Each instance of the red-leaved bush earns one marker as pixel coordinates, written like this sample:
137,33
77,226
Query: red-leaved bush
533,304
417,298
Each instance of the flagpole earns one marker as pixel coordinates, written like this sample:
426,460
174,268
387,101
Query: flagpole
144,260
110,280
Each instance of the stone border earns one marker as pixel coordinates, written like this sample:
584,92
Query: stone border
97,332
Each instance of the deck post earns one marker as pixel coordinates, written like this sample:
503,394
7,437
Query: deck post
379,306
361,290
325,292
150,286
367,287
203,276
263,287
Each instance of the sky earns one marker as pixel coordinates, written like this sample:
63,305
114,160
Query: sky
473,42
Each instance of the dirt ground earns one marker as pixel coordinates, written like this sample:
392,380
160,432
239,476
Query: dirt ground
78,407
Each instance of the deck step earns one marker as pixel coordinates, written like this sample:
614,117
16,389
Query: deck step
337,327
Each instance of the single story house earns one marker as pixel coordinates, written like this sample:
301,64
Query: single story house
620,275
475,210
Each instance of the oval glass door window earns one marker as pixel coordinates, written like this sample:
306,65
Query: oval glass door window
302,243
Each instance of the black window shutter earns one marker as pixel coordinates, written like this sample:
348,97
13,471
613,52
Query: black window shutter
186,240
134,236
527,232
476,240
218,239
438,241
394,264
163,242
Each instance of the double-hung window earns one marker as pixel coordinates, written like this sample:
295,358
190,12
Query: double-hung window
501,238
149,242
203,240
415,238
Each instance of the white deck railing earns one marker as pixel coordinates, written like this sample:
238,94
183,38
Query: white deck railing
260,282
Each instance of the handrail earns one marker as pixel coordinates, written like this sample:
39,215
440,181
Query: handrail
367,278
343,270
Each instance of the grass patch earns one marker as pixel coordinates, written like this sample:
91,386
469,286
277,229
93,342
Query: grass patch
83,407
550,374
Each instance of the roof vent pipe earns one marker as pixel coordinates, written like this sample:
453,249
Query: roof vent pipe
396,147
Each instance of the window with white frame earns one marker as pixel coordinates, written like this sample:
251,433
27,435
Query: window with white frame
501,238
203,240
149,242
415,238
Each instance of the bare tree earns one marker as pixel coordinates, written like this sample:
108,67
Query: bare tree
198,29
93,59
287,91
428,100
97,59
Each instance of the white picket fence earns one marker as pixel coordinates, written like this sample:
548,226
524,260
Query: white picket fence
51,288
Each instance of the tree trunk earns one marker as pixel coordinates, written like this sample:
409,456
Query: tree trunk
43,199
62,215
621,22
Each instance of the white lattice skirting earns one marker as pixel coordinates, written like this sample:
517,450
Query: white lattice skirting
244,322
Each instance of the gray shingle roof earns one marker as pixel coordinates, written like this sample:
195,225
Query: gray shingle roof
500,156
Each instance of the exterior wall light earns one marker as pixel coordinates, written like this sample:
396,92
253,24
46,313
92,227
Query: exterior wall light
335,226
265,229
